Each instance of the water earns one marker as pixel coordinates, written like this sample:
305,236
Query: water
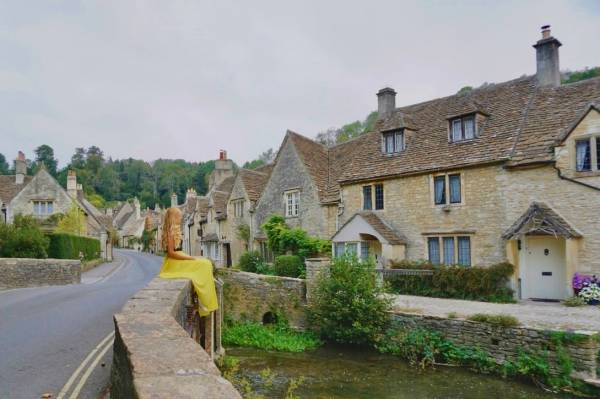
343,373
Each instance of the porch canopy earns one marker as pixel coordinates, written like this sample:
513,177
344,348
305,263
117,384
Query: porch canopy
368,223
540,219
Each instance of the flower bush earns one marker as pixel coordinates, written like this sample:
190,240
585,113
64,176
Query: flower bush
590,293
586,287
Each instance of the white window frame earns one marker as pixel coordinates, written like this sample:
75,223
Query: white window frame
43,207
292,203
398,142
452,138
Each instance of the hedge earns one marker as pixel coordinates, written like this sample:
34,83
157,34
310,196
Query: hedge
250,261
23,239
289,266
67,246
487,284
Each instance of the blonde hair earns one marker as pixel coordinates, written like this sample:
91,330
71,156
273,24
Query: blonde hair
171,228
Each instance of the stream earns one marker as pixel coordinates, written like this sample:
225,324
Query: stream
340,373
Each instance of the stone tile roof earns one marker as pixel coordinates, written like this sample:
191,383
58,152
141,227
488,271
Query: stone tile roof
386,230
523,123
255,181
315,157
221,195
9,189
542,220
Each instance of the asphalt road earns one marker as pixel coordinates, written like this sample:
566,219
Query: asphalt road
46,333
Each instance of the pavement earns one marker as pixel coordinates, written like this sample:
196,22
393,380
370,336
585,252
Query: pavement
541,315
58,339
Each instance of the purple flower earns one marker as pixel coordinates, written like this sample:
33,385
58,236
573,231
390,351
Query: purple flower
583,280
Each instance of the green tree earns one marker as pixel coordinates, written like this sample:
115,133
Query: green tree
78,159
348,305
265,158
347,132
23,239
94,158
3,165
44,154
73,222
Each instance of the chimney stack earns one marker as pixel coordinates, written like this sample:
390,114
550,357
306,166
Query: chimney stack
190,193
223,169
72,183
386,102
173,200
136,205
20,168
548,68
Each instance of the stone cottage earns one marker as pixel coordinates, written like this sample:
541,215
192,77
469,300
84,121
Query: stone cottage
508,171
42,196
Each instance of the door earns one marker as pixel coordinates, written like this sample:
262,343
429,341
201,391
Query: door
227,255
543,268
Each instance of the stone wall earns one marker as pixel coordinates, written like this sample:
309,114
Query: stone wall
250,296
21,273
154,357
506,343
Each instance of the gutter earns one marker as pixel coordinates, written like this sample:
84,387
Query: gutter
573,180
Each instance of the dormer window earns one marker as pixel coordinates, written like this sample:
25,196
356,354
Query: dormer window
392,142
462,128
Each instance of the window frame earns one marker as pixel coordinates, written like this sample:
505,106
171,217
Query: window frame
462,134
291,203
238,208
587,140
368,188
457,251
376,203
42,208
447,198
398,141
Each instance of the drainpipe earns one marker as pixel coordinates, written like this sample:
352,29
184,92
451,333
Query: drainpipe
573,180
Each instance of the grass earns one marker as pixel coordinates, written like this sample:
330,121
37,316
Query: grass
574,301
278,337
501,320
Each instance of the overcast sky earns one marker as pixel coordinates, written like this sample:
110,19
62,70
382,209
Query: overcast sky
183,79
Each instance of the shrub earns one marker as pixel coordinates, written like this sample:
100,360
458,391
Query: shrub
282,239
67,246
502,320
348,305
250,261
279,337
288,266
23,239
473,283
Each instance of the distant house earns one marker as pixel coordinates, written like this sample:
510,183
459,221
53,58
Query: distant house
42,196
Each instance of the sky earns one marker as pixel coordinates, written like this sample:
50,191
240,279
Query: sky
184,79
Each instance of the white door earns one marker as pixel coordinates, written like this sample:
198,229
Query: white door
543,268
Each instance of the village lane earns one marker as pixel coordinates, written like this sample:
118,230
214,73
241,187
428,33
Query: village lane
61,336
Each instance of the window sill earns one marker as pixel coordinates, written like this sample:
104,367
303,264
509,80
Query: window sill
586,173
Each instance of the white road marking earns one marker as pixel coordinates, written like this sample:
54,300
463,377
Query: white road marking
88,372
73,377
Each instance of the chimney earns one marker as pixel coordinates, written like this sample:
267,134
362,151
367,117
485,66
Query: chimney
386,102
72,183
191,193
20,168
157,207
223,169
173,200
136,205
109,212
546,56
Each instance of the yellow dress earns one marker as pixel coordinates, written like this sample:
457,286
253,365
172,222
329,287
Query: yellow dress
200,271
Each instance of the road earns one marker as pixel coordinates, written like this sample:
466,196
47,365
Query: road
48,333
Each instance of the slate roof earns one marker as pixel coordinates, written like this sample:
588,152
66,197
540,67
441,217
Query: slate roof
542,220
522,125
255,181
9,189
221,195
315,157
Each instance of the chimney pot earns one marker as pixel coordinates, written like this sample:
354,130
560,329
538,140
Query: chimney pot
386,102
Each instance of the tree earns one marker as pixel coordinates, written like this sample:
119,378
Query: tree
44,154
73,222
3,165
347,132
94,158
265,158
78,159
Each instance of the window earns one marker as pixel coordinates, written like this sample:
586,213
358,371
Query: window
347,248
352,248
238,208
367,199
433,244
583,155
454,250
447,189
364,250
393,142
598,153
379,196
43,208
462,128
338,249
292,203
439,186
370,197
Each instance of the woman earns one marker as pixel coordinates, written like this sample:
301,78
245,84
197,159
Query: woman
179,265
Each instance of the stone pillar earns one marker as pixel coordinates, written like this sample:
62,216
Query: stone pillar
314,268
